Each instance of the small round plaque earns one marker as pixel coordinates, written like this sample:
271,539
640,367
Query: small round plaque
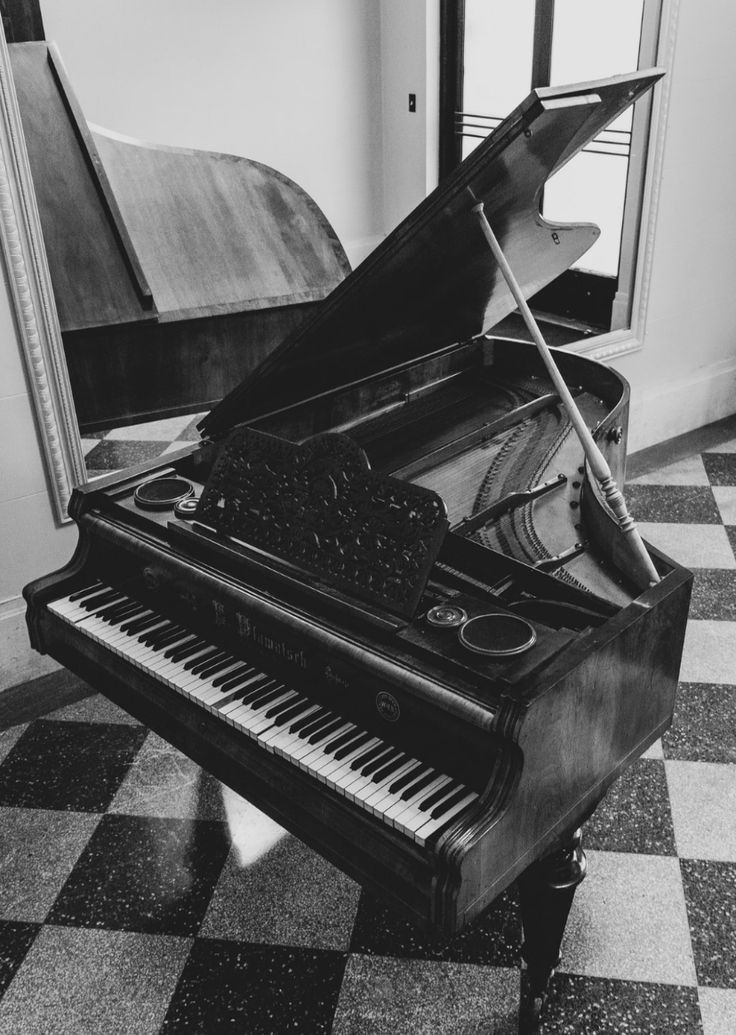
186,508
447,616
497,635
387,706
162,493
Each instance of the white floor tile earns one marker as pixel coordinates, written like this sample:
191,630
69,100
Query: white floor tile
718,1010
725,496
703,801
690,471
695,546
709,654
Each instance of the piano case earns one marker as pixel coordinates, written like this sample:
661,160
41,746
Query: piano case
394,526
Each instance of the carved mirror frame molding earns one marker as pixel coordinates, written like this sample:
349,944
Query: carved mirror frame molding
31,292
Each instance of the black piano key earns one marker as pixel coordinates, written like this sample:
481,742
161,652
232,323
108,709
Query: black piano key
115,615
234,680
445,806
299,725
163,635
243,694
323,731
158,643
390,767
437,796
283,706
406,778
204,660
377,762
215,666
368,755
354,740
185,648
139,625
267,697
99,599
249,693
85,591
419,785
240,671
315,720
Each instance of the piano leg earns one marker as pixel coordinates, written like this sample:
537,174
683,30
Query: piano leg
547,889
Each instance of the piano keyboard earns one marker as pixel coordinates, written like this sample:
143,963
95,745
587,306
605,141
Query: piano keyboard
414,798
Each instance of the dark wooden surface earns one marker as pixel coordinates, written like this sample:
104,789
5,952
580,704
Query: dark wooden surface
433,283
175,272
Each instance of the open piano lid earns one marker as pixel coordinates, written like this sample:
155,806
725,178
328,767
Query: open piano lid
433,282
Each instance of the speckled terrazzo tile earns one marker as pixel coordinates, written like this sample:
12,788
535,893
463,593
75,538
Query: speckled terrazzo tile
693,504
9,737
419,997
725,497
704,725
628,921
720,468
634,816
109,455
703,803
718,1010
731,534
163,782
15,941
709,653
597,1006
694,546
290,896
190,433
68,765
714,594
144,874
258,989
38,850
95,708
165,430
495,939
688,471
80,982
710,894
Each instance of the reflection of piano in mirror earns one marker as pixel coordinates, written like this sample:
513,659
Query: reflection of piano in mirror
175,272
348,682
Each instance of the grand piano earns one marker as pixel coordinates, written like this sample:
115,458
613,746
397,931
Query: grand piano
384,598
175,271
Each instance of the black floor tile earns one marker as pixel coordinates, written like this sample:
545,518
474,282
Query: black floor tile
15,941
598,1006
731,533
144,874
704,725
720,468
714,594
75,766
114,454
673,503
635,814
710,896
495,939
231,987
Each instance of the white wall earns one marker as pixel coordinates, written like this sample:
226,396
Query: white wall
293,84
685,376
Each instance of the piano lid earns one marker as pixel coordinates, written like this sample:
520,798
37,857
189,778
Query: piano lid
433,283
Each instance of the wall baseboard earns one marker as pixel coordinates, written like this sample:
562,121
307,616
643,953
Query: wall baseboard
18,661
668,410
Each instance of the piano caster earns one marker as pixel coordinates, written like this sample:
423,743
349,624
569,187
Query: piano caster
547,889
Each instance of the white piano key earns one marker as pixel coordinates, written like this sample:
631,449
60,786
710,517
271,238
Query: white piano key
433,825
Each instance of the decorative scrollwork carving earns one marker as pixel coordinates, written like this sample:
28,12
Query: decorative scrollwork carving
319,506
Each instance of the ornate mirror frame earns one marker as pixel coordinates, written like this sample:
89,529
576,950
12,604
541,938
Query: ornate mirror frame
32,298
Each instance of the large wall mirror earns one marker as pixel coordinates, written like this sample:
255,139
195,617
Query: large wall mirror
99,298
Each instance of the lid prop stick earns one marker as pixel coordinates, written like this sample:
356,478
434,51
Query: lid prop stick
596,460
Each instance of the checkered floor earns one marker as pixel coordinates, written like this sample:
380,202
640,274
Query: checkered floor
106,451
138,895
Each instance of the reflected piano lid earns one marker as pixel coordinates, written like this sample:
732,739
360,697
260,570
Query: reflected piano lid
433,283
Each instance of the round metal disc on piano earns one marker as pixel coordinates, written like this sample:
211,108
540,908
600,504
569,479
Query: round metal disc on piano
446,616
162,493
497,635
